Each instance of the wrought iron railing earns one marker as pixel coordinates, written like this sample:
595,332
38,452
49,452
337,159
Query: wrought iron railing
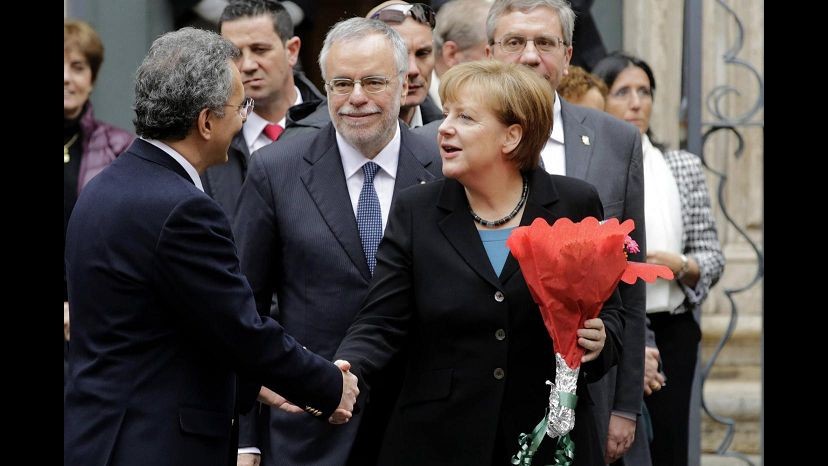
697,135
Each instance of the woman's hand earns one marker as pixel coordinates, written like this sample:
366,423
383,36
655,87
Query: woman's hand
653,379
592,338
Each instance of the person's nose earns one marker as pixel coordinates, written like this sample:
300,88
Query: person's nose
248,64
635,101
413,71
529,55
358,95
445,127
65,73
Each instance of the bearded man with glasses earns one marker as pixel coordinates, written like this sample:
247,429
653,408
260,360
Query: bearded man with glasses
310,216
605,151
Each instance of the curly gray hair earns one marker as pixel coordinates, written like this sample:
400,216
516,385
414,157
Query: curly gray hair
184,72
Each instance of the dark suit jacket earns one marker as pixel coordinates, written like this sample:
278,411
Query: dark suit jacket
298,237
434,285
162,320
223,182
612,161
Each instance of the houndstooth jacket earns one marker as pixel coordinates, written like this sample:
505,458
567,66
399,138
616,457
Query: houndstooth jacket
700,238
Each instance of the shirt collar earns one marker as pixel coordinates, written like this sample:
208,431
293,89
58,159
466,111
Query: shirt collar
255,124
353,160
417,119
557,127
188,167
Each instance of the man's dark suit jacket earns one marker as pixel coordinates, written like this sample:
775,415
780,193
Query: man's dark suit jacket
223,182
613,162
163,320
435,286
298,236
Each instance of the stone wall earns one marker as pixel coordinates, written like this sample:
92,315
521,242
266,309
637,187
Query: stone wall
653,30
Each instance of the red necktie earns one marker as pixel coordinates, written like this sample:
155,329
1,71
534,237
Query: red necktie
273,131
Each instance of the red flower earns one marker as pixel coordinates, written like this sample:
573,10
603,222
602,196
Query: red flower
571,269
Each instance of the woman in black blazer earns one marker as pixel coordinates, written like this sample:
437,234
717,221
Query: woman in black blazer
447,289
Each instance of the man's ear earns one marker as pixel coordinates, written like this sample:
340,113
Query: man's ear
292,47
204,123
449,52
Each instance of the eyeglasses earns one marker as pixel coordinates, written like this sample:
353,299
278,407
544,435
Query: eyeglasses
625,93
370,84
396,14
244,108
516,44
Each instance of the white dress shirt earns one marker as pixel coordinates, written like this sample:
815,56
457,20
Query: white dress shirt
553,154
253,128
188,167
387,159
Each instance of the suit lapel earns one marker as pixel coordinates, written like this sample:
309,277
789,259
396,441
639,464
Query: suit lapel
240,145
458,228
412,165
578,140
325,182
542,196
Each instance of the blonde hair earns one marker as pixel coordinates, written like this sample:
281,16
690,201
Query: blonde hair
515,94
578,82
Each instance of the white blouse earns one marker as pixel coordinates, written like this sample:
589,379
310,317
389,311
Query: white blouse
664,228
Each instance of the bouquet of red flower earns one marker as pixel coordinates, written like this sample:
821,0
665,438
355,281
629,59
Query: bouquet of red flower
571,270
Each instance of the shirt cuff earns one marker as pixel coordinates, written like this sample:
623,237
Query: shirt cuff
624,414
251,450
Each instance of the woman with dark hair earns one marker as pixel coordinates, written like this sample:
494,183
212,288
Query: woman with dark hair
681,234
89,145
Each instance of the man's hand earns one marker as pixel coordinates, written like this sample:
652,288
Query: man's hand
653,379
66,321
620,436
592,338
350,391
271,398
249,459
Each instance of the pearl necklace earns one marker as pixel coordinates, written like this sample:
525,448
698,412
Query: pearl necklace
66,147
501,221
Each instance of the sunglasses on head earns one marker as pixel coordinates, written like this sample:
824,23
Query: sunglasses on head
396,14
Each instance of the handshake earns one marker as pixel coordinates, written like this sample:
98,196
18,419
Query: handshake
343,412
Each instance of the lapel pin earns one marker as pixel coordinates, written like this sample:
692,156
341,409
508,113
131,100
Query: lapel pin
585,140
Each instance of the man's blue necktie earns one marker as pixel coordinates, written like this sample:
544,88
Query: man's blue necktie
369,216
